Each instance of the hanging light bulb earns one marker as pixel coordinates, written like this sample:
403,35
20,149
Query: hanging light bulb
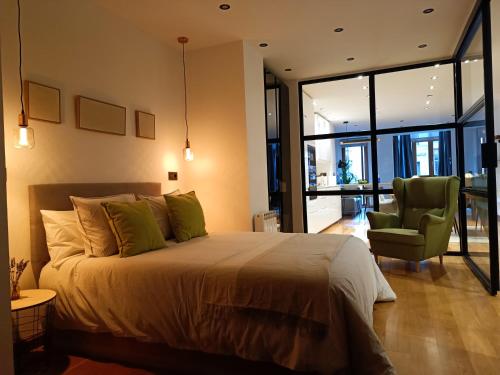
188,152
24,135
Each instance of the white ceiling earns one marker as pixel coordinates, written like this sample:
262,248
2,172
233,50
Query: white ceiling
300,33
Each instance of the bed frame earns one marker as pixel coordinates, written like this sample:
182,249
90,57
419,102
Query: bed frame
104,346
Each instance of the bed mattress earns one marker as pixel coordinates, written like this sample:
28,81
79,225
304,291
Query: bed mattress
159,296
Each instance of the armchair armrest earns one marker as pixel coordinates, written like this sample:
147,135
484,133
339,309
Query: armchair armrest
430,223
380,220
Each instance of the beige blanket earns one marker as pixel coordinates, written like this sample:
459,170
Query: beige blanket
159,296
290,278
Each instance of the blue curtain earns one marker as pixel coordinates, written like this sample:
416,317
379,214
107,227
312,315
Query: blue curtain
273,156
445,164
403,156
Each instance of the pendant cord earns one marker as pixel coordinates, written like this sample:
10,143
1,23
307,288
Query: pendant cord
20,54
185,93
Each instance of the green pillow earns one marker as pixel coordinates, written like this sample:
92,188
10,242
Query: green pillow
134,226
186,216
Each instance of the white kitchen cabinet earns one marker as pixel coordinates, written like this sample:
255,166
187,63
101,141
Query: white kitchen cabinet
323,212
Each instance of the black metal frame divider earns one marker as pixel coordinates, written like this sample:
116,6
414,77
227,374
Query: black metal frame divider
481,17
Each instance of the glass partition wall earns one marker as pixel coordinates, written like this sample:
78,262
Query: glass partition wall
478,194
359,131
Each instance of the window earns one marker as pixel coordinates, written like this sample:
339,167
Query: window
358,159
426,157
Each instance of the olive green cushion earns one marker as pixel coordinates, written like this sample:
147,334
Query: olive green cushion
397,235
412,215
134,226
186,216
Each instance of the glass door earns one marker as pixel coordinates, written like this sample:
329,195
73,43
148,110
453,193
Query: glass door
478,193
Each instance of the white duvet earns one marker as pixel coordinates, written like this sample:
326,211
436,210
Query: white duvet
156,297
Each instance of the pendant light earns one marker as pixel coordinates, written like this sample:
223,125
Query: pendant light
24,135
188,152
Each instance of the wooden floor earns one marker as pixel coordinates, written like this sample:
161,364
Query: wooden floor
443,321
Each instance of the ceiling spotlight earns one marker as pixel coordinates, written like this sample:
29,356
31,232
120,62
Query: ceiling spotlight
428,102
434,78
350,59
224,7
467,61
288,69
360,76
426,108
428,10
475,60
338,30
263,45
437,65
365,87
432,87
422,45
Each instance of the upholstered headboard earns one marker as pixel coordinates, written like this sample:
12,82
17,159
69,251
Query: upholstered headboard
56,197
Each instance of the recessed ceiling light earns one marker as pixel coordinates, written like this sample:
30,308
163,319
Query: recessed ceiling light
432,87
360,76
475,60
338,30
314,102
426,108
434,78
428,102
422,45
263,45
224,7
350,59
365,87
437,65
428,10
288,69
467,61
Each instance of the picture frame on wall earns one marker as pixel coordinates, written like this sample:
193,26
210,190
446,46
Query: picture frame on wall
43,103
144,125
99,116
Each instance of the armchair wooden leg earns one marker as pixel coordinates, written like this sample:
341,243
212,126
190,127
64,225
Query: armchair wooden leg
417,266
441,259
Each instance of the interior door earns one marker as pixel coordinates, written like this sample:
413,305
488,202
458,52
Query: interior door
478,195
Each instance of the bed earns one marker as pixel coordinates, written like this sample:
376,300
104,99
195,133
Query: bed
169,308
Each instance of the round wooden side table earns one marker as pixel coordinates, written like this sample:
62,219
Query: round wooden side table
31,323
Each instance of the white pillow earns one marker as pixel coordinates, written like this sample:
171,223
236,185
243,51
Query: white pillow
98,239
63,237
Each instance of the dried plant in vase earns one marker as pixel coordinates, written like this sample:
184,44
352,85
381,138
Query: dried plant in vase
16,270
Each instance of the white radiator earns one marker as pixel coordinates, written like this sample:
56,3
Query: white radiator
266,222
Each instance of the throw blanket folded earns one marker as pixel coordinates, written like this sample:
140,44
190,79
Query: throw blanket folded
290,277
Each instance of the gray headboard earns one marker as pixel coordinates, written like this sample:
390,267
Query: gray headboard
56,197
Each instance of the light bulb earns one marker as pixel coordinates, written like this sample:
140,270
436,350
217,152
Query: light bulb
24,135
188,153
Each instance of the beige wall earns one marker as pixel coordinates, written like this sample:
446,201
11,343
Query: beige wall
298,222
6,360
219,128
256,129
82,49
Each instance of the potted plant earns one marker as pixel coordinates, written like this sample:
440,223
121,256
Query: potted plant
346,177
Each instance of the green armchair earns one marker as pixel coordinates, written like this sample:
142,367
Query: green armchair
422,227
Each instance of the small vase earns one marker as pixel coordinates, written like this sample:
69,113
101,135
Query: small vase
15,291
